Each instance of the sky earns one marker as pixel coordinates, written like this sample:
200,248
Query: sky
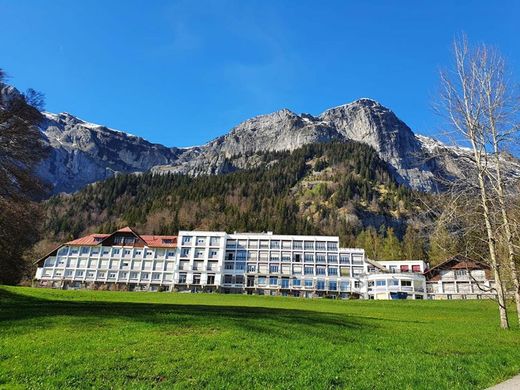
183,72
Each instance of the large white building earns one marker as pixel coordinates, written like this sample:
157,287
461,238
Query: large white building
250,263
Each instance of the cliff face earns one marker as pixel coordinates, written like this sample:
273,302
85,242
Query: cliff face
83,152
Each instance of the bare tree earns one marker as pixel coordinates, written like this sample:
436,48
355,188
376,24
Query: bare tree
467,98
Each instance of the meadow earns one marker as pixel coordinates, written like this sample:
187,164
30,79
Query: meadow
85,339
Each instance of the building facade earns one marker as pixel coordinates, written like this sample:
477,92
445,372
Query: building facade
248,263
460,278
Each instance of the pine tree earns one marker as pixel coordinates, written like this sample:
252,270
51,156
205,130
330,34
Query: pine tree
391,246
413,245
443,245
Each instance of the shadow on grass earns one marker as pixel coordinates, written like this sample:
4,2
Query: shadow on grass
16,309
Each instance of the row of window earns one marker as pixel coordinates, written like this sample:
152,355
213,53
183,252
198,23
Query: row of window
105,251
292,283
282,244
406,268
391,282
121,275
295,269
62,262
200,240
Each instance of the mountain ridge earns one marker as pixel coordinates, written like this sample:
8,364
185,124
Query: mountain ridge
83,152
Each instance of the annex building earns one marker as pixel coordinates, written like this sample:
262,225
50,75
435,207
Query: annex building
245,263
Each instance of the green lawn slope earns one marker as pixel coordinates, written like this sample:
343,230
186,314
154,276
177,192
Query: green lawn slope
85,339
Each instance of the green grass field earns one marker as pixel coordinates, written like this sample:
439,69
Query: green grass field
85,339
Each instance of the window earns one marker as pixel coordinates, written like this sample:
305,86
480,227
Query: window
274,268
308,270
333,286
196,278
297,244
333,271
297,257
344,259
210,279
214,241
332,246
275,244
182,278
186,240
138,253
357,284
63,251
380,283
126,252
145,275
286,256
123,275
296,282
404,268
125,264
85,250
251,268
253,244
169,253
115,251
167,240
273,281
332,258
416,268
320,270
241,255
343,286
240,266
461,272
264,244
406,283
286,244
98,239
229,256
308,258
185,252
393,282
297,269
199,253
201,241
261,280
68,273
133,275
129,241
344,271
320,245
308,283
309,245
320,285
228,279
73,250
239,279
285,283
105,251
111,275
320,258
229,265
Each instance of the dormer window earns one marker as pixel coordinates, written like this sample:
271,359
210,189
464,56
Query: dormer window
98,239
167,241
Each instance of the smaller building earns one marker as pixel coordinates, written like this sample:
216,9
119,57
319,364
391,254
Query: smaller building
396,279
460,278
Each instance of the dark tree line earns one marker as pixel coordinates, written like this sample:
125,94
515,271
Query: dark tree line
21,148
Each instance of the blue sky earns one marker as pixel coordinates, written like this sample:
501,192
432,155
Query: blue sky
183,72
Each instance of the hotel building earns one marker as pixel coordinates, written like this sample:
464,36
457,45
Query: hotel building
250,263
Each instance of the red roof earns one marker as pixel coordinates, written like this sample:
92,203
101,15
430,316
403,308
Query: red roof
150,240
91,239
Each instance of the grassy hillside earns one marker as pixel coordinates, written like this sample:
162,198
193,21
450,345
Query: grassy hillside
84,339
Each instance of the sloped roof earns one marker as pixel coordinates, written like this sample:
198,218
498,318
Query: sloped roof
91,239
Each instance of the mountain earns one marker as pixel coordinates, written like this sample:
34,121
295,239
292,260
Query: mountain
84,152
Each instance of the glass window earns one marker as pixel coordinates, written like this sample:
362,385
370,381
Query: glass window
333,286
344,259
344,286
214,241
251,268
85,250
261,280
406,283
297,244
275,244
333,271
308,283
332,258
320,258
308,258
285,283
182,278
380,283
404,268
308,270
320,285
186,240
417,268
332,246
274,268
296,282
320,270
320,245
201,241
309,245
273,281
